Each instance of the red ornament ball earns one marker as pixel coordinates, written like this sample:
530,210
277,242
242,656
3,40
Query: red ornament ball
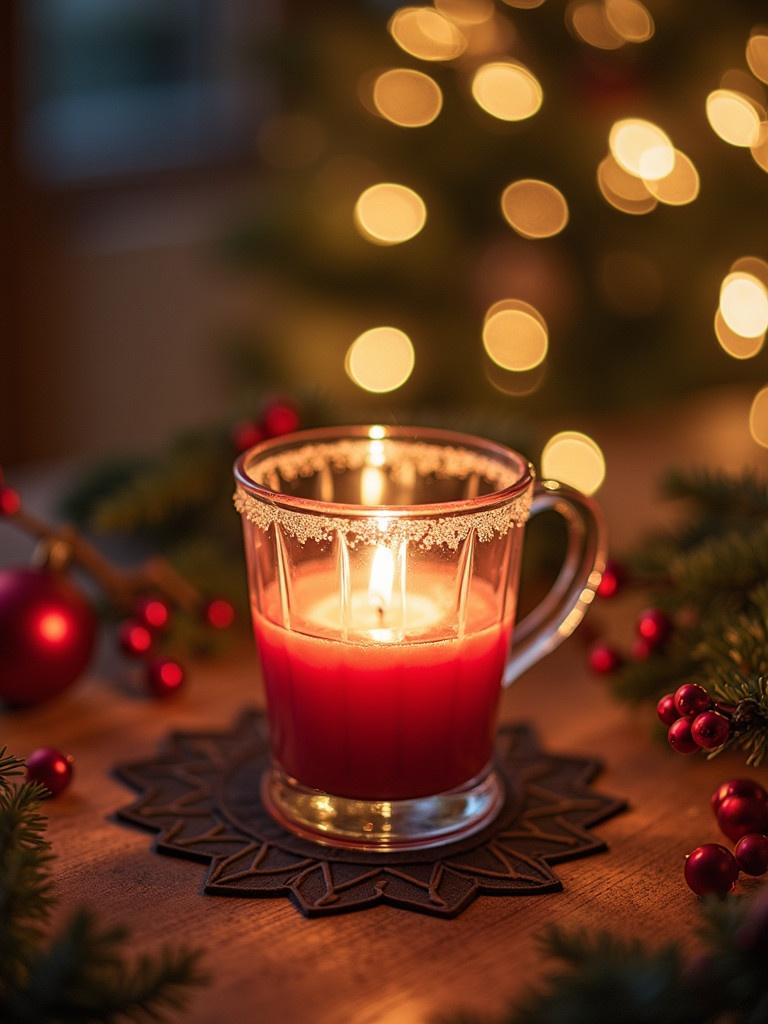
751,853
710,730
164,677
51,768
737,816
153,612
691,699
47,634
246,434
613,579
666,709
219,613
604,659
280,418
135,638
711,869
679,736
737,787
653,626
10,502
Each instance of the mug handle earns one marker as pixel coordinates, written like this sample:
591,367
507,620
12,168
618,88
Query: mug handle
560,612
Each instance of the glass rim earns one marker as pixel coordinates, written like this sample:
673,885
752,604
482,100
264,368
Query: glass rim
492,449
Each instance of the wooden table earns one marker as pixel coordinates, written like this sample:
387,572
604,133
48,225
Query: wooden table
387,966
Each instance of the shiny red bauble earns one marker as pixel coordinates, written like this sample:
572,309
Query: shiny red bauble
280,418
245,435
153,612
737,787
653,626
134,638
710,730
612,580
47,635
737,816
679,736
691,699
666,709
751,853
51,768
164,677
711,869
218,613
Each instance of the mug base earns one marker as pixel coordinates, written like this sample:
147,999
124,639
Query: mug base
385,826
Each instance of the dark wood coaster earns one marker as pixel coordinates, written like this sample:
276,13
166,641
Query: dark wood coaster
201,793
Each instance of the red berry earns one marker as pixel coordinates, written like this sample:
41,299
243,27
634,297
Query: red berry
641,650
134,638
50,767
219,613
280,418
246,434
654,626
153,612
666,709
737,787
164,677
710,730
679,736
612,580
691,699
10,502
737,816
751,853
711,869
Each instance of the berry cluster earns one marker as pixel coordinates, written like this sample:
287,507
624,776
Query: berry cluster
694,722
138,637
741,809
278,418
653,628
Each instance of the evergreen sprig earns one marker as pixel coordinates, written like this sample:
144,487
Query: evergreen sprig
79,974
600,978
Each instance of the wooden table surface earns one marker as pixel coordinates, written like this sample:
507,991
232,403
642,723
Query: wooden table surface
387,966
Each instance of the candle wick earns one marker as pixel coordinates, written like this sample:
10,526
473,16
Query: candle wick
380,612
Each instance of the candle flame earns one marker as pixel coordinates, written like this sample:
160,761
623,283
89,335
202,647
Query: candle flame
382,579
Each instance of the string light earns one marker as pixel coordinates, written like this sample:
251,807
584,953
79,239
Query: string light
515,335
407,98
734,117
524,5
466,12
380,359
630,19
744,304
388,214
425,33
535,209
587,20
620,182
508,91
757,55
758,418
760,151
734,344
680,186
574,458
642,148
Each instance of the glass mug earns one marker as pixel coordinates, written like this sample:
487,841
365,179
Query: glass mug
383,568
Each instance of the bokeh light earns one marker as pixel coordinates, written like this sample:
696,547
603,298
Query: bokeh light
466,12
425,33
380,359
535,209
734,117
587,20
760,151
734,344
407,98
752,265
744,304
757,55
508,91
574,458
758,418
642,148
515,335
680,186
388,214
621,183
630,19
524,5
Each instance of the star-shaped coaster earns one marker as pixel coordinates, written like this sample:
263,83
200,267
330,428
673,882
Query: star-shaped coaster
201,793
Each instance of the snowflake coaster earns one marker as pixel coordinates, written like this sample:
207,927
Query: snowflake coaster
202,795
